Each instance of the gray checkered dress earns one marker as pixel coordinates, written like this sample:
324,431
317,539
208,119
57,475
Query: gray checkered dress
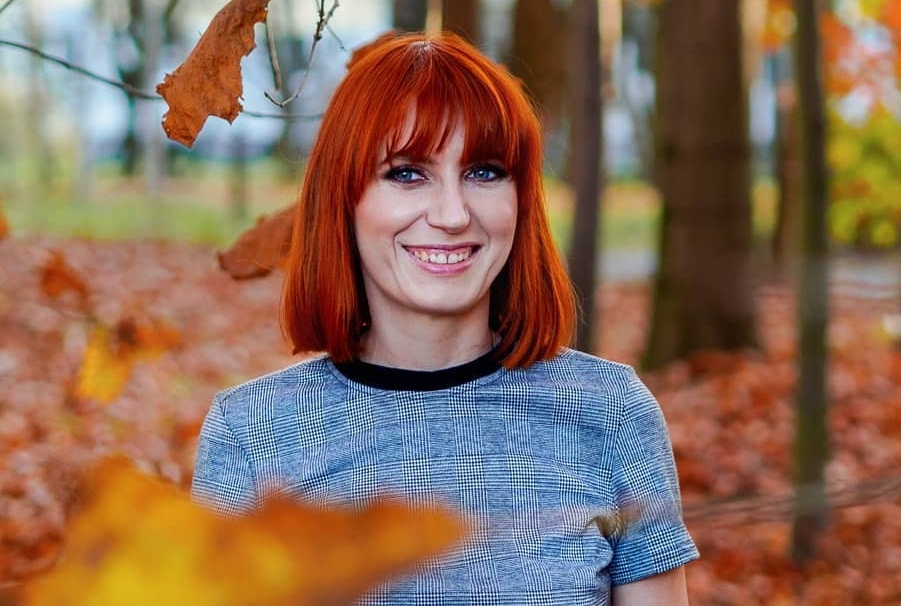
566,467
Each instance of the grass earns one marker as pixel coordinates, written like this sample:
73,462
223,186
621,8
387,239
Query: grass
199,208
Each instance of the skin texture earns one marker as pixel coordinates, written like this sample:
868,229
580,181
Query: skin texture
427,314
667,589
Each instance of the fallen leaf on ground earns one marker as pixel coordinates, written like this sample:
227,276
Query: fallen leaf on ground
58,277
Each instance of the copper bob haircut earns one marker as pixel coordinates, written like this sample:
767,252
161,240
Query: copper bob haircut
446,80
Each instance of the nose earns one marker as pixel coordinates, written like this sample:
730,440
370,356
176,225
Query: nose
448,209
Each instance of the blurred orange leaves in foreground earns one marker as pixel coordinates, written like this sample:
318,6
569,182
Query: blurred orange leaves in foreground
135,535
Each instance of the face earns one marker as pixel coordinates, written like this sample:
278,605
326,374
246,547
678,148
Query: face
433,234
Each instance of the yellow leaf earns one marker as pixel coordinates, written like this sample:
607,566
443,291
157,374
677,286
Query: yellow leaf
139,541
105,367
871,8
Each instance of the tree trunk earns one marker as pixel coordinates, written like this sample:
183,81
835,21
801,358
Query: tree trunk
585,161
462,17
703,293
539,57
811,433
410,15
786,243
38,142
153,146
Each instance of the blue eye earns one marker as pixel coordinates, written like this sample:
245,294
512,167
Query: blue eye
486,172
404,174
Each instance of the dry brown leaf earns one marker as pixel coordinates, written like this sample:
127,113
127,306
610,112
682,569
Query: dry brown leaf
261,248
136,539
58,277
209,82
149,339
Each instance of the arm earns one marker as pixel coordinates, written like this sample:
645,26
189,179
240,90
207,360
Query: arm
667,588
223,476
654,543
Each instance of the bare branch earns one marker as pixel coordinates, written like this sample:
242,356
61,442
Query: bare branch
131,90
6,5
273,57
321,24
775,508
137,93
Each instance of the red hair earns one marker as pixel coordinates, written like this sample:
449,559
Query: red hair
532,307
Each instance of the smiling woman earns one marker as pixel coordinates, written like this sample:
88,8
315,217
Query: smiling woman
423,268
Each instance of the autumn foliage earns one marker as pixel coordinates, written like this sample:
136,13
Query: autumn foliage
730,417
134,538
111,354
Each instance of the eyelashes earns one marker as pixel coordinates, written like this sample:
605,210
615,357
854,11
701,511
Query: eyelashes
482,172
404,174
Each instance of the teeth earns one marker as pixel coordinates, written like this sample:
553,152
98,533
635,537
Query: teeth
441,258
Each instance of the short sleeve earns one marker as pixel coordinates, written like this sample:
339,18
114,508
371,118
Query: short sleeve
655,538
223,476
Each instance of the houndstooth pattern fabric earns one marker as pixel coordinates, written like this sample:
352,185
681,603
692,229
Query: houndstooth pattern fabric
565,468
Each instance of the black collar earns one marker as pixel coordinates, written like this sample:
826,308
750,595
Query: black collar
401,379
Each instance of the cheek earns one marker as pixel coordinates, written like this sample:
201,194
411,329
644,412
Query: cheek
500,218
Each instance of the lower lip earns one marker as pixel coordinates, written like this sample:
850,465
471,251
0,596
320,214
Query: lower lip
444,269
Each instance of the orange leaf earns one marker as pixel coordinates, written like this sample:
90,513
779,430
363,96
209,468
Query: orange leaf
4,225
179,553
209,83
891,17
779,25
58,277
261,248
837,37
155,337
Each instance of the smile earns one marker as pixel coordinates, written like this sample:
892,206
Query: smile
442,257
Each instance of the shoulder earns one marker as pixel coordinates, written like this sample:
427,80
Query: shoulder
267,393
594,389
577,368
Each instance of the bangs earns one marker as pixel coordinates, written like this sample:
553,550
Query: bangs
444,94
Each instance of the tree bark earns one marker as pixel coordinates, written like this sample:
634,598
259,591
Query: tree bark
462,17
585,162
811,433
539,56
703,292
786,242
410,15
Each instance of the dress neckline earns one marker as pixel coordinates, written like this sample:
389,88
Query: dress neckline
402,379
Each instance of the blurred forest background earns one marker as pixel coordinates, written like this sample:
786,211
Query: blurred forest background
723,175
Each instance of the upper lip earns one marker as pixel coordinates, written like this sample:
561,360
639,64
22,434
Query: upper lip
442,247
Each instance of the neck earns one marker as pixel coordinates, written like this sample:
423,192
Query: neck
428,344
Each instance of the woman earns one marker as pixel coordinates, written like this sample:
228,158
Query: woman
423,266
